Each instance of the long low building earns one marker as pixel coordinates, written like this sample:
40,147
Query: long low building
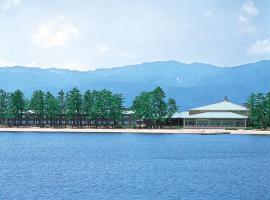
221,114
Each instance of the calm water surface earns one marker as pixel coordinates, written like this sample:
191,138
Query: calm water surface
133,166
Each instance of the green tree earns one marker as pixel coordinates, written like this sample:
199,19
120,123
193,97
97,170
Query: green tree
3,106
103,105
95,112
152,108
142,107
116,108
267,108
88,105
16,106
171,109
74,106
52,107
251,103
37,106
62,106
158,105
259,105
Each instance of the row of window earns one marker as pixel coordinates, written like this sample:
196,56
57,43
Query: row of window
215,122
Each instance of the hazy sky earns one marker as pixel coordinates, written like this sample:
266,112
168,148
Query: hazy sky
84,35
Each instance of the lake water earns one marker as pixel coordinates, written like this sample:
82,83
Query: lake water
133,166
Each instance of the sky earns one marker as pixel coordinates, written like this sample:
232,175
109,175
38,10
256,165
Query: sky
86,35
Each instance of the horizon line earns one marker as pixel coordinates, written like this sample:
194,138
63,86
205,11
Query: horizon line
128,65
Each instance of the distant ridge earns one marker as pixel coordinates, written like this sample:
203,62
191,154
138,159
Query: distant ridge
192,85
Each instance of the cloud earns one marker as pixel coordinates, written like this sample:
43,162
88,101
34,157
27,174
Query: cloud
31,64
208,15
243,20
245,25
249,8
260,47
57,32
74,65
247,13
6,5
103,49
6,63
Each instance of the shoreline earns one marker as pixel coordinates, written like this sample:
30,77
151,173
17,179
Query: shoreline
143,131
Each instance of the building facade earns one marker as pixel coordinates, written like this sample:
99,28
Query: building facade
222,114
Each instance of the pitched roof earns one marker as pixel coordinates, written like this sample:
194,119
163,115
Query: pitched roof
180,115
216,115
224,105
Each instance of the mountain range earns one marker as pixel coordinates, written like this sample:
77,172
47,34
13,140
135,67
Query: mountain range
191,85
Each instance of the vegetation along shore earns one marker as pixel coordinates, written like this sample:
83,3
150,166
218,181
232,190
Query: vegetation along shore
90,109
105,110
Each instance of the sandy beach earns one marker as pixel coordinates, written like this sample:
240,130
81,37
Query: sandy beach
158,131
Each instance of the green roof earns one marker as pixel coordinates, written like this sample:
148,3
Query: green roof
216,115
180,115
209,115
222,106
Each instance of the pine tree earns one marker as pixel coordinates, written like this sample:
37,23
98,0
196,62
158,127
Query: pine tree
74,106
16,106
259,106
88,103
62,107
37,106
171,109
52,107
158,105
116,108
3,106
152,107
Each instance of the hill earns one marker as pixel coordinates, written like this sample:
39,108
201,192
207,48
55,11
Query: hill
191,85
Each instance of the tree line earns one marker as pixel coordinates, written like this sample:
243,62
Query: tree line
259,105
74,108
153,108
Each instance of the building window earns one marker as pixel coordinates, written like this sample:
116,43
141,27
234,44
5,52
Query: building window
228,123
215,122
202,122
190,122
240,123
